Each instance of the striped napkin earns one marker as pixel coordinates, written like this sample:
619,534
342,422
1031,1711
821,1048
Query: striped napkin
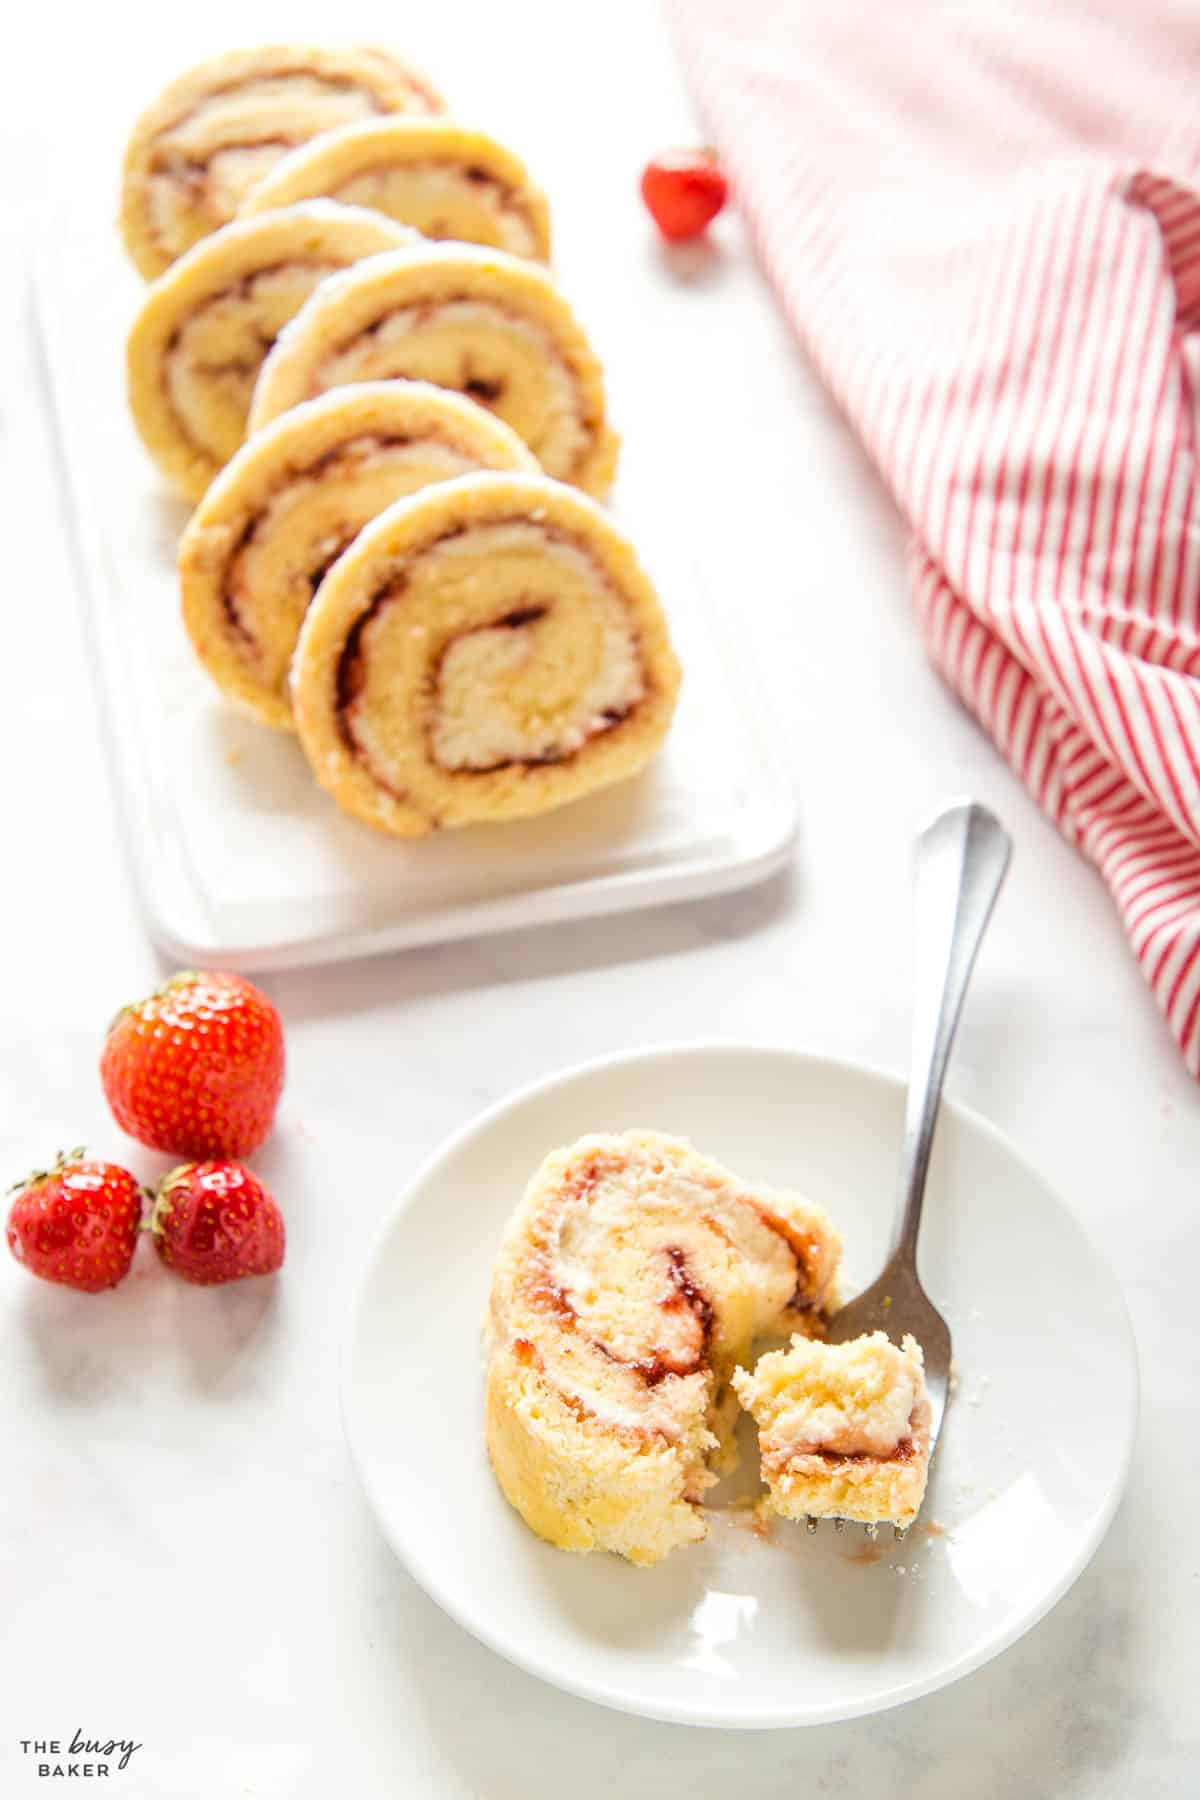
978,220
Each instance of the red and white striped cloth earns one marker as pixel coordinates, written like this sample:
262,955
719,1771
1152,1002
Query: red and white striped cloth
979,220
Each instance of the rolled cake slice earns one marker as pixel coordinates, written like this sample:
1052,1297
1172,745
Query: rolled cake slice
443,179
295,495
216,131
199,340
631,1281
486,650
843,1429
491,325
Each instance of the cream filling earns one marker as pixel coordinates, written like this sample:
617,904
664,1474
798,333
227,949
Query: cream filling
213,361
619,1398
610,1256
185,203
479,718
443,201
853,1399
505,361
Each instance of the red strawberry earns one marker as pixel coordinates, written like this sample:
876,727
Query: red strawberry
76,1223
684,190
196,1069
214,1221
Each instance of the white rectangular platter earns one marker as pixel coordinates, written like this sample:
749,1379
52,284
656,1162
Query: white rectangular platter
239,857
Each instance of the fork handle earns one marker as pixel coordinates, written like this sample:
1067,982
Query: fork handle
961,861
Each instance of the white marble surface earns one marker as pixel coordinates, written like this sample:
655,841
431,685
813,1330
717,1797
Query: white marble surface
186,1559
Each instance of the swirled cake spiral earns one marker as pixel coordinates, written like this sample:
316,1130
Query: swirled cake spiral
487,649
632,1281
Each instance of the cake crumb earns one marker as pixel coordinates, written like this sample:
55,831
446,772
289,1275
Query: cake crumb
752,1512
933,1530
234,757
763,1521
865,1557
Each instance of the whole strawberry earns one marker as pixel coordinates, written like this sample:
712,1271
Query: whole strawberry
214,1222
684,190
196,1069
76,1223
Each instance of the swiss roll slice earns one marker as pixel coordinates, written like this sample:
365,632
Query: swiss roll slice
486,650
203,329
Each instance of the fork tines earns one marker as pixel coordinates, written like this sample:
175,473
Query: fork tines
899,1532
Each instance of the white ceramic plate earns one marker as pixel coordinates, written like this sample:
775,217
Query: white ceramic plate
739,1631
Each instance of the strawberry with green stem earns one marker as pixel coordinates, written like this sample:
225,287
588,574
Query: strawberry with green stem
76,1223
215,1222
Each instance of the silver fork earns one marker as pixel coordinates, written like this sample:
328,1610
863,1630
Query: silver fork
961,861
